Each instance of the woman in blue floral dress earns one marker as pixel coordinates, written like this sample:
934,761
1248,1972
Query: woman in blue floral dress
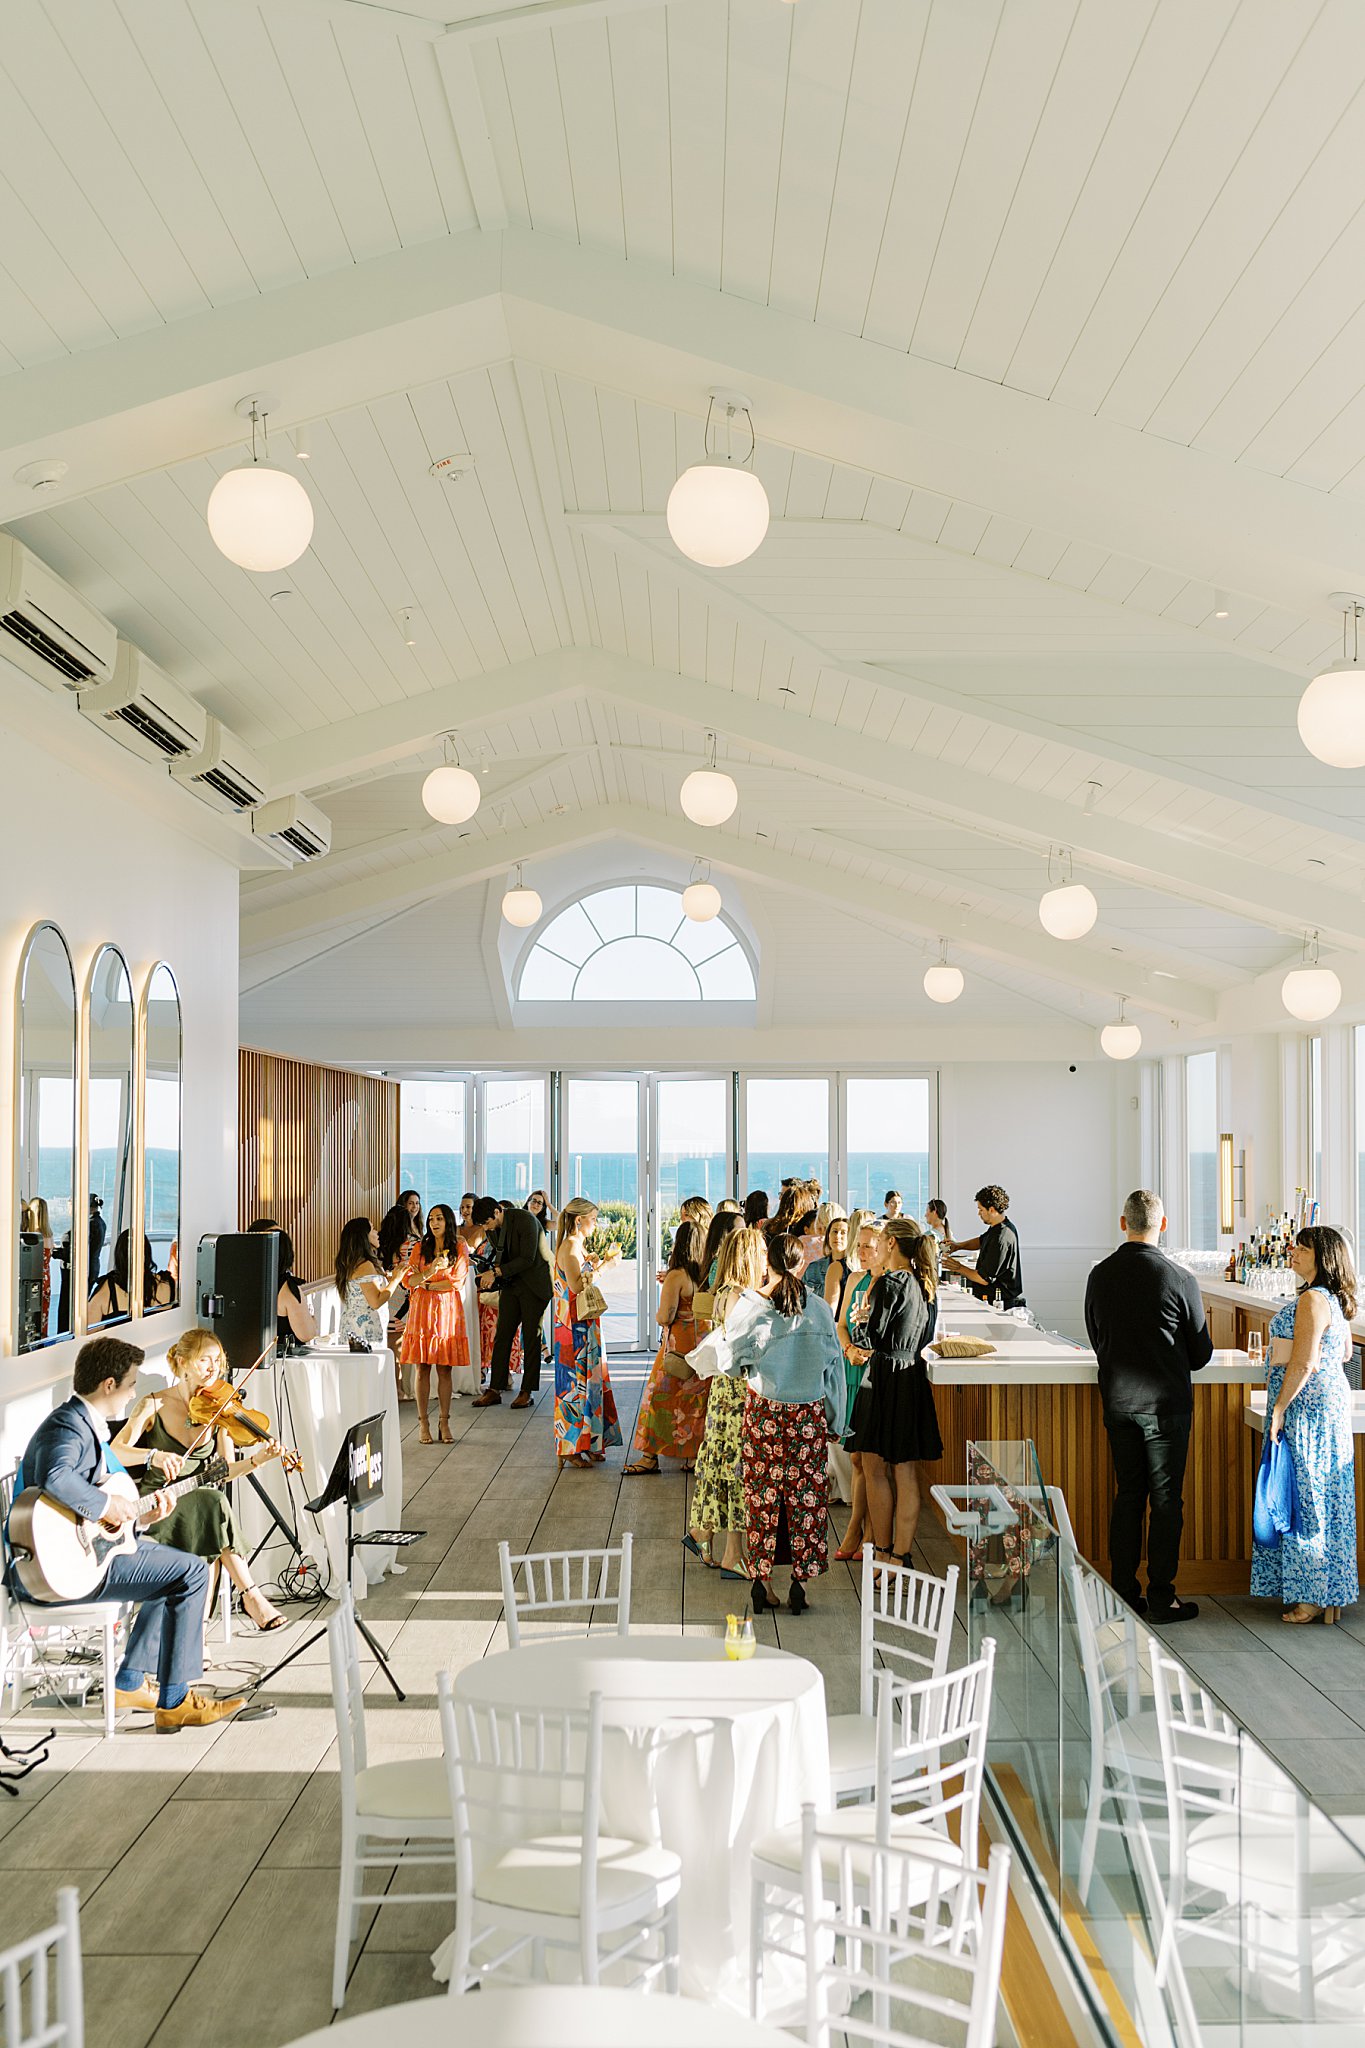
586,1427
1313,1569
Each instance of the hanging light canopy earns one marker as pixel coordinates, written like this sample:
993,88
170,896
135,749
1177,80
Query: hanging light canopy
709,796
942,983
258,516
521,906
1067,908
450,793
1310,992
718,510
1332,708
1122,1039
701,897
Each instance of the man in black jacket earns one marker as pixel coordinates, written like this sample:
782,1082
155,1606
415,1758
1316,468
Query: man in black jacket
525,1288
1146,1321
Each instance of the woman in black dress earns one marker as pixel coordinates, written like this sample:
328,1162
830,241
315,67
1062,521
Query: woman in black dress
900,1428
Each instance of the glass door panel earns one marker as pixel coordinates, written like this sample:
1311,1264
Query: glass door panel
512,1154
887,1120
786,1132
601,1160
433,1141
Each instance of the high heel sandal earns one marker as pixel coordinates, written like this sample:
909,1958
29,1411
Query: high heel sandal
424,1435
848,1556
1305,1612
444,1435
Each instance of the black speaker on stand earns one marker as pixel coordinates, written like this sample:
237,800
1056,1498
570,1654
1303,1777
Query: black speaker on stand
236,1290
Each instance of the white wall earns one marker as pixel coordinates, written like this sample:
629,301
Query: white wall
1065,1145
111,851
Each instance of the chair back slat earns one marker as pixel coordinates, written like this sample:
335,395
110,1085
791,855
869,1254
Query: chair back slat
906,1624
348,1692
32,2023
931,1747
558,1583
883,1914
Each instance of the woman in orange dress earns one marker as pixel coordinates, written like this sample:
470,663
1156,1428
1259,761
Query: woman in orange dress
435,1334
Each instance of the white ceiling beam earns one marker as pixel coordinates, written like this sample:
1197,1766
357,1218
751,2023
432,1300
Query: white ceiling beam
630,536
1169,861
1070,965
607,320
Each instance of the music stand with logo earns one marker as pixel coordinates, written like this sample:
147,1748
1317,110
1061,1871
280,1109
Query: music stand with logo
357,1477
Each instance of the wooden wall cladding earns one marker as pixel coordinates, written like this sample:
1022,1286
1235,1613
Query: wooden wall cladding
316,1146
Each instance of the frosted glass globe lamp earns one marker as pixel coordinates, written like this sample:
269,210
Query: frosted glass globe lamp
1331,714
717,513
521,906
708,795
1068,912
451,794
942,983
1310,993
258,516
701,897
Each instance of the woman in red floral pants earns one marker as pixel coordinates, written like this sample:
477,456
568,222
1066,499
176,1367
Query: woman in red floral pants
787,1349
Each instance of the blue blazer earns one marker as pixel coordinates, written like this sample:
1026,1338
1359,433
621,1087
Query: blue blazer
66,1458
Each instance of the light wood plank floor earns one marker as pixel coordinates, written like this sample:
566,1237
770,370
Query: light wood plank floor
206,1861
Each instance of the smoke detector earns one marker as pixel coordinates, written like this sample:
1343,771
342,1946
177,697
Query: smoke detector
41,476
451,469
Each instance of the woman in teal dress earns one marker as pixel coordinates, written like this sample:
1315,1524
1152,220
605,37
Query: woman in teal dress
1313,1567
586,1427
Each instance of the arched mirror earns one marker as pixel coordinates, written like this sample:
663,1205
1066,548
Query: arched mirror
109,1138
46,1135
161,1141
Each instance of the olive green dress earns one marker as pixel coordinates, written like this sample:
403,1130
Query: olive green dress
201,1522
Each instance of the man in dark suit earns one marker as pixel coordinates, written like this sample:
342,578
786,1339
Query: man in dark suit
525,1289
68,1457
1146,1320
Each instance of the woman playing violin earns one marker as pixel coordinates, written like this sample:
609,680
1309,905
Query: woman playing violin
157,1436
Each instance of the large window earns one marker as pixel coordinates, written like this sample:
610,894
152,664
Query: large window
887,1139
1201,1149
691,1147
1315,1119
634,944
432,1124
786,1132
514,1157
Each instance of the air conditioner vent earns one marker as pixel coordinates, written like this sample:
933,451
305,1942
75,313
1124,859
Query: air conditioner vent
142,721
240,795
27,629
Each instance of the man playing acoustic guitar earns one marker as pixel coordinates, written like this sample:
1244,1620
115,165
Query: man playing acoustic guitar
68,1460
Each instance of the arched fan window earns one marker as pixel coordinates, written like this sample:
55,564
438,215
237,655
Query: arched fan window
633,944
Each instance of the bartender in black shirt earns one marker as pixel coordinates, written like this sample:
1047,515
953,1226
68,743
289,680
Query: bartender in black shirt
998,1273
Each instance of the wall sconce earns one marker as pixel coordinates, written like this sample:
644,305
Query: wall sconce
1232,1201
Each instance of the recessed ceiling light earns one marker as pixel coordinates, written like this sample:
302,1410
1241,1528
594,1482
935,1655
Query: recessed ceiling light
280,596
1221,608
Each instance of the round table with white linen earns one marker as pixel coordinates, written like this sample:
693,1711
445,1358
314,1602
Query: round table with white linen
705,1755
549,2016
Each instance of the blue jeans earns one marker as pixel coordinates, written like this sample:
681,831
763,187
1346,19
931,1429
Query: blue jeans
168,1635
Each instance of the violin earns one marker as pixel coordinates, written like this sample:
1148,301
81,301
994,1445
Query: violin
219,1406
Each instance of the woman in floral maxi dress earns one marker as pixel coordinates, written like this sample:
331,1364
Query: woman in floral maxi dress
673,1412
718,1487
586,1427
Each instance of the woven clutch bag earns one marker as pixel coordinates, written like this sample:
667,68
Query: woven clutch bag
962,1347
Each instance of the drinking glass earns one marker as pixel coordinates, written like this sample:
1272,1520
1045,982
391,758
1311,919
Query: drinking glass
1256,1346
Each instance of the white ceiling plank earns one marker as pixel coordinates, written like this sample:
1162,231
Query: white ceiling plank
816,111
495,97
537,111
508,547
952,65
697,90
436,120
456,65
583,64
758,56
1145,122
377,72
638,55
1015,91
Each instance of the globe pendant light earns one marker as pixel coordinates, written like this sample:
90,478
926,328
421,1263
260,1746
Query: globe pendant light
701,897
258,516
718,510
1121,1040
1332,708
1067,909
521,906
1310,992
709,796
942,983
450,793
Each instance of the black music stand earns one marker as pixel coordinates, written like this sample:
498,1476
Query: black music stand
357,1478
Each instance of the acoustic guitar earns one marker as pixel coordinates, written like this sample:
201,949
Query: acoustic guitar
60,1556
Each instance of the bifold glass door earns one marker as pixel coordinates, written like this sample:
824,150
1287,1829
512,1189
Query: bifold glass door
602,1158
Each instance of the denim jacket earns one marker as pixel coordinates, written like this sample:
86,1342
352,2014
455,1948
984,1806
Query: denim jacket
784,1358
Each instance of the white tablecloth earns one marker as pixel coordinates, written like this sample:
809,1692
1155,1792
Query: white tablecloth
561,2016
720,1752
314,1397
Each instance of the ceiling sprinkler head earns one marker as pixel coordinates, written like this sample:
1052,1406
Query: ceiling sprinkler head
41,476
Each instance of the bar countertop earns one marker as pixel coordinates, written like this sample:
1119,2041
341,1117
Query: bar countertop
1027,1357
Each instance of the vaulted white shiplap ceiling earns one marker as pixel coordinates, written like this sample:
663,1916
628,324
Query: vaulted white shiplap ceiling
1051,312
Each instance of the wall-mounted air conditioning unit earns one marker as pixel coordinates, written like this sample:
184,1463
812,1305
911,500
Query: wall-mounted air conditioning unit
294,827
144,710
46,629
224,772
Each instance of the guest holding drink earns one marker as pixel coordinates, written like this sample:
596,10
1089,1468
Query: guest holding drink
436,1335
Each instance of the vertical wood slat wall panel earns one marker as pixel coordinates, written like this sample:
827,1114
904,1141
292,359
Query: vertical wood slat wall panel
316,1146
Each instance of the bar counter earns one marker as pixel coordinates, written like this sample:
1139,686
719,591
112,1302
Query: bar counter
1043,1387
